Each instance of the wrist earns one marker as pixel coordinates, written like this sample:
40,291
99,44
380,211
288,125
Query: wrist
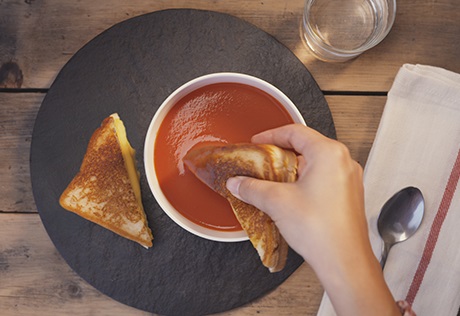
356,285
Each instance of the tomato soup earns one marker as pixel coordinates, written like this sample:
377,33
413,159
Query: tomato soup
222,112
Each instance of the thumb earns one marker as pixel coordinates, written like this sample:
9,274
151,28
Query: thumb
260,193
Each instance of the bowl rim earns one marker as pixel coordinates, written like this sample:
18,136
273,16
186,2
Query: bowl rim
150,139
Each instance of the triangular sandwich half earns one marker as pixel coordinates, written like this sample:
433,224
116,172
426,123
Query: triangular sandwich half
106,190
214,164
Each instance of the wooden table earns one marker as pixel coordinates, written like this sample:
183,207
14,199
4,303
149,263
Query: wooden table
38,37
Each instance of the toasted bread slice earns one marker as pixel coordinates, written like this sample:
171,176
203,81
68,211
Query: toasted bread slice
214,164
106,190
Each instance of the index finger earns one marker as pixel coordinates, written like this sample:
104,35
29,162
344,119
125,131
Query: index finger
299,137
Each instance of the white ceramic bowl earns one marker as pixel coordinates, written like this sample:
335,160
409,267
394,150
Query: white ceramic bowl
156,123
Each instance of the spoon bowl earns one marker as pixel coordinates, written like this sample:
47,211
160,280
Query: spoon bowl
400,218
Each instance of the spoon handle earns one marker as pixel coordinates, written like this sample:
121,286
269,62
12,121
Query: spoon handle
386,250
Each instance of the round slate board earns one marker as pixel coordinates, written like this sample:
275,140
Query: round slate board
130,69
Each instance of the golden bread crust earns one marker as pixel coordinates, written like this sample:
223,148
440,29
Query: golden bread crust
214,164
101,191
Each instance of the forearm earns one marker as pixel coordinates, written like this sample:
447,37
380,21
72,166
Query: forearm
356,286
322,218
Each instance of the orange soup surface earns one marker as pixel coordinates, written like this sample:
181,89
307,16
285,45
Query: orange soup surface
222,112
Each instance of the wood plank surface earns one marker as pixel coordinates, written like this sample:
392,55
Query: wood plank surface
356,119
35,280
17,116
38,37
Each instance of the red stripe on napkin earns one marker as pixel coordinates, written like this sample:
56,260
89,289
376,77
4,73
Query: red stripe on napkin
434,232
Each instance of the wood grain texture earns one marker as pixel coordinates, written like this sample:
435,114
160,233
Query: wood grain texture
17,116
38,37
356,119
35,280
41,36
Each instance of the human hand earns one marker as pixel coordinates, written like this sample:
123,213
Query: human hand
324,209
322,218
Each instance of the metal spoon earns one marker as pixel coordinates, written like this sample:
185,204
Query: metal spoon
400,218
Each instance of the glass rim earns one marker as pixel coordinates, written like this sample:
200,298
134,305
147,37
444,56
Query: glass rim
373,40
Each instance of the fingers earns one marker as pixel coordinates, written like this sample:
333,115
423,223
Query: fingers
295,136
233,185
262,194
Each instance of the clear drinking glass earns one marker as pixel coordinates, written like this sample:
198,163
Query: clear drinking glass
339,30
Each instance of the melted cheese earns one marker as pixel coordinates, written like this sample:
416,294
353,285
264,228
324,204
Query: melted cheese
128,156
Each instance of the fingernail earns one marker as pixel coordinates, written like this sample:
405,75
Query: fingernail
233,185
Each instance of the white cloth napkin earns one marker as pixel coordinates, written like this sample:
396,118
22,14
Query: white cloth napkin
418,144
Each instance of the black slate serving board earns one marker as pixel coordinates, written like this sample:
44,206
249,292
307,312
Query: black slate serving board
130,69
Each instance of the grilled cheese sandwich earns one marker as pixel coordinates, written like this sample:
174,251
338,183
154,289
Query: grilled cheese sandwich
106,190
215,164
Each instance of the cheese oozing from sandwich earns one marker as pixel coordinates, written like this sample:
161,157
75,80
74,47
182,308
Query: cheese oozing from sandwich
106,190
129,155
